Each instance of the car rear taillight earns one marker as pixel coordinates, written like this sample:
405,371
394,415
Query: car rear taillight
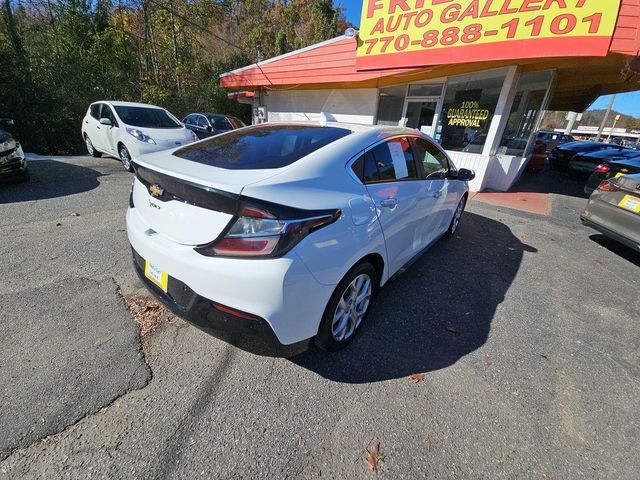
608,186
602,168
256,232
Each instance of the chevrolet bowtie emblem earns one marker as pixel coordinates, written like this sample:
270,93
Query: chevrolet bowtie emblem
156,190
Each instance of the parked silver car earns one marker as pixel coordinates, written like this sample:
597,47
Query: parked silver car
614,210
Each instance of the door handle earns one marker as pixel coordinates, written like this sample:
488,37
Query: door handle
389,202
98,128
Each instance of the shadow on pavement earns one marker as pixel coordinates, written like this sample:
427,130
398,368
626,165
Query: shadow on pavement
617,248
50,179
437,312
551,181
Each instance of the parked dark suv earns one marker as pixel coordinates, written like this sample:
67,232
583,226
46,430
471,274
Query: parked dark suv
12,161
206,125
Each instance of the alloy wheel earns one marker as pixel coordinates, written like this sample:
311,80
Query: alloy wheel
352,307
126,159
89,145
458,215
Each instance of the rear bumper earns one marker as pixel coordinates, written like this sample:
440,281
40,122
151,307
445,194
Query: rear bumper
582,167
281,291
612,222
254,335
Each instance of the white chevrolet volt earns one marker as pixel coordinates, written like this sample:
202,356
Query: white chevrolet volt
277,236
126,130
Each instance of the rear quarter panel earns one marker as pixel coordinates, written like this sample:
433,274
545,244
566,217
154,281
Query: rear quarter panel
323,183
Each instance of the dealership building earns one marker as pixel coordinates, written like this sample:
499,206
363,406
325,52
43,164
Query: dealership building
475,75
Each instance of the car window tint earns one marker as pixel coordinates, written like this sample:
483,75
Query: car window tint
95,111
201,121
148,117
261,147
220,123
188,120
434,162
394,160
236,122
108,113
365,168
370,170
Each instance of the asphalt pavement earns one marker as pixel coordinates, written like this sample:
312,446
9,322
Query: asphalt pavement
525,326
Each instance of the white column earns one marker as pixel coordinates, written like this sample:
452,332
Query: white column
501,115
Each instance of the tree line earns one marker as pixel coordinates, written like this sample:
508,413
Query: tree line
592,118
58,56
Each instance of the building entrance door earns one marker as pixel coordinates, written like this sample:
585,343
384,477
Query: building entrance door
421,114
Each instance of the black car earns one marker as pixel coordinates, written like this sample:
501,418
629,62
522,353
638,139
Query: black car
609,170
560,156
12,161
553,139
586,163
206,125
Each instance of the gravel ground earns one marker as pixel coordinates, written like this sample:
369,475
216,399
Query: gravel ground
525,327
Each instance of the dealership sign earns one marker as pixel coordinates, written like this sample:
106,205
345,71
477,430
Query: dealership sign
412,33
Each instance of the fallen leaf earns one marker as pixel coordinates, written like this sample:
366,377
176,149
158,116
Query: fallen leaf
416,377
374,457
488,360
545,357
75,214
598,261
58,224
452,329
552,238
147,312
515,393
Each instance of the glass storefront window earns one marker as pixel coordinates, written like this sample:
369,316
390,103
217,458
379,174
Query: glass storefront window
390,105
524,114
429,90
469,104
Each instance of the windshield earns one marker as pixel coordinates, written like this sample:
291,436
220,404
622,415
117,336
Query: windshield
147,117
261,147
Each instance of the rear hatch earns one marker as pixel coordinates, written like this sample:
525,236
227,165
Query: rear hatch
630,193
191,194
189,209
624,193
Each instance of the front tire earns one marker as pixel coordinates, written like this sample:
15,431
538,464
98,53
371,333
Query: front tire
348,307
455,221
126,158
90,148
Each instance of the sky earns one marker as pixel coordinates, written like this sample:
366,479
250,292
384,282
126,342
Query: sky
627,103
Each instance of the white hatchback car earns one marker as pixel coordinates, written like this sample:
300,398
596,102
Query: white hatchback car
276,235
127,130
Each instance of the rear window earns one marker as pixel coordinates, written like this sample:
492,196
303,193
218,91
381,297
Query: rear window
261,147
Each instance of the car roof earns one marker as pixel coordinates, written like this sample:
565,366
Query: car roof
117,103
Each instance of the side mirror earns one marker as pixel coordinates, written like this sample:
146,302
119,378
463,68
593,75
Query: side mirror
106,121
209,128
466,175
6,121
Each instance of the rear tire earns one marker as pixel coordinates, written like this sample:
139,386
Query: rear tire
90,148
348,308
455,221
126,158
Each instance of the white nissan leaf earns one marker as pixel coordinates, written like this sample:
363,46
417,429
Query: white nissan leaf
126,130
277,236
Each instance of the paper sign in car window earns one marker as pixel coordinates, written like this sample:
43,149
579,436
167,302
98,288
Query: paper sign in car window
399,162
